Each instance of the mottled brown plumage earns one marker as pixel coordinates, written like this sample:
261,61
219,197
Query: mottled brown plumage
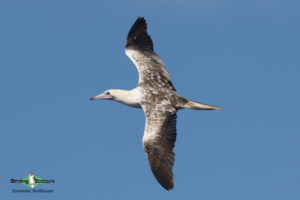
159,100
156,95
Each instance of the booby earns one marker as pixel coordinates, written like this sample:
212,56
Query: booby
156,95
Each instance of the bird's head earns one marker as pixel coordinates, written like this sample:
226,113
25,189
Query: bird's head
107,95
127,97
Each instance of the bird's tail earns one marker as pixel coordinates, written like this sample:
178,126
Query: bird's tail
199,106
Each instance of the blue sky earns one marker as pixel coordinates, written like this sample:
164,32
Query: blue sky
241,55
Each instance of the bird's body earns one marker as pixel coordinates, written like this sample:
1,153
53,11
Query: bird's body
156,95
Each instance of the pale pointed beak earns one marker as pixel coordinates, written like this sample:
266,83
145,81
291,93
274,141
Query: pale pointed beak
102,96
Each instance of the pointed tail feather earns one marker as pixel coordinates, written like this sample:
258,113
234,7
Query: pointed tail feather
199,106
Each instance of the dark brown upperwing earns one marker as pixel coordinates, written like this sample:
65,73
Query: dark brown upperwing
159,149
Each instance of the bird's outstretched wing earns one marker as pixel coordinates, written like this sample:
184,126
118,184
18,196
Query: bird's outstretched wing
138,37
159,141
139,48
158,100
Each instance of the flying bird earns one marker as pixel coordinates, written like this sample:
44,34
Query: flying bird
156,95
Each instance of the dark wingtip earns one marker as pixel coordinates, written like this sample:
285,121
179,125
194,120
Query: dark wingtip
168,187
138,36
139,25
141,20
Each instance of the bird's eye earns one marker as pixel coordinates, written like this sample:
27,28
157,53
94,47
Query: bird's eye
108,93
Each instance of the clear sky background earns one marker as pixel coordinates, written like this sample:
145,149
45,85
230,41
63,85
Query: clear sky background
241,55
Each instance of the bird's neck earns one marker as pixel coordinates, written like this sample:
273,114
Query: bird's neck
127,97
